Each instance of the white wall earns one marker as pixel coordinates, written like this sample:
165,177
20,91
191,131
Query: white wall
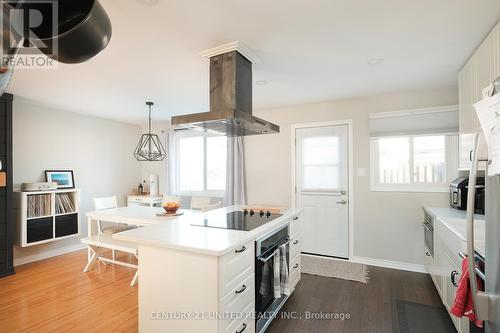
98,150
386,225
159,167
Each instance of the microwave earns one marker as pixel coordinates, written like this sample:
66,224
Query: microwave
458,194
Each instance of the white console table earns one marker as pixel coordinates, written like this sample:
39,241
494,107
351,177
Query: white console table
144,200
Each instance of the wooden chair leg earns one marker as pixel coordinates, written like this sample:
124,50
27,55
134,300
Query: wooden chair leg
113,252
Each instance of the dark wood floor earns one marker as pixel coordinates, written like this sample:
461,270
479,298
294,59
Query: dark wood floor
369,305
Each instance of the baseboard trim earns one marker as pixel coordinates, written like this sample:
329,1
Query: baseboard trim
48,254
390,264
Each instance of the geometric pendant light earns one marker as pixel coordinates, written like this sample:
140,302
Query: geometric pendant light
149,147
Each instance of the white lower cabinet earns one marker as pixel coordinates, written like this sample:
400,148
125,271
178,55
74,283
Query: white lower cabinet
441,267
462,325
236,267
237,289
237,306
242,325
295,266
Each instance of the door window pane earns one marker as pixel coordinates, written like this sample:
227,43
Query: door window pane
320,163
191,160
394,160
321,150
320,178
429,159
216,163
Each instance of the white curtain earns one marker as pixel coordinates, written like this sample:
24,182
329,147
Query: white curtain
170,183
235,173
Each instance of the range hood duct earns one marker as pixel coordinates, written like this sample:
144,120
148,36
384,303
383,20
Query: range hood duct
230,101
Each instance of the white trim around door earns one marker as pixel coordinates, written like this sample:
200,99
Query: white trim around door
349,124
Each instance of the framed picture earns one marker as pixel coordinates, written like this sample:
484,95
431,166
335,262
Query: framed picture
63,178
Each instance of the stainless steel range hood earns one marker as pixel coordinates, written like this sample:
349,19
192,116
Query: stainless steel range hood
230,101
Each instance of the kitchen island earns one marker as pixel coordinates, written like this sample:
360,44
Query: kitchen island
202,279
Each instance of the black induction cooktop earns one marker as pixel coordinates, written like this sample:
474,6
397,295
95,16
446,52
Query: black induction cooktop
238,220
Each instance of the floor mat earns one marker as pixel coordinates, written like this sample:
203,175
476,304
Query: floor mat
420,318
331,267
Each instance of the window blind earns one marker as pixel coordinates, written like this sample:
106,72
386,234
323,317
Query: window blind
439,120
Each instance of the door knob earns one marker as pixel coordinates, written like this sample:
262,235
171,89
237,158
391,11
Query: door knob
342,202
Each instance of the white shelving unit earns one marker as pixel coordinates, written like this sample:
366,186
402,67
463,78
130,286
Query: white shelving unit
44,225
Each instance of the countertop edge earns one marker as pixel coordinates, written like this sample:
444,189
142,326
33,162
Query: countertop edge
443,220
282,220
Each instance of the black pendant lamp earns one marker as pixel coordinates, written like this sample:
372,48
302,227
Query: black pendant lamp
149,147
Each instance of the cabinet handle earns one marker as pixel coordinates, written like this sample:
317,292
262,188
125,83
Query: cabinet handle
243,329
296,242
295,266
427,254
470,155
240,250
295,218
452,277
243,288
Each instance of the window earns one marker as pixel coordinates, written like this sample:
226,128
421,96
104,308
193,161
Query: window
201,164
424,163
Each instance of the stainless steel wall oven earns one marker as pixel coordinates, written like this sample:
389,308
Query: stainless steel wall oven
266,304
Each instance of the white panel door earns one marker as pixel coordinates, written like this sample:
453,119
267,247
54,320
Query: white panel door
321,166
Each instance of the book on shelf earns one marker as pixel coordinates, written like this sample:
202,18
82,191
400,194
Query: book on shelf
64,205
39,205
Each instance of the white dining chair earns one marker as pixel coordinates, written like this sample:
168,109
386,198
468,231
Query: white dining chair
170,198
200,203
109,203
212,206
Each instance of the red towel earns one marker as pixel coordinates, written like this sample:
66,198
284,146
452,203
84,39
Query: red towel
463,304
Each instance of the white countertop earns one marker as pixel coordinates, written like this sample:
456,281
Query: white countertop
181,235
136,215
456,221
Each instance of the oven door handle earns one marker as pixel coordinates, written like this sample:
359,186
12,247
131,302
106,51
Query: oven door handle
264,259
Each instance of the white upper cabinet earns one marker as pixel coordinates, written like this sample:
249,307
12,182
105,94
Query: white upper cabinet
495,51
467,125
481,69
484,74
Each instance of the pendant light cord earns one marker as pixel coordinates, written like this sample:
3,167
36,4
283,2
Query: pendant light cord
149,119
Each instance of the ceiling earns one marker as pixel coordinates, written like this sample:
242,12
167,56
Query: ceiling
311,51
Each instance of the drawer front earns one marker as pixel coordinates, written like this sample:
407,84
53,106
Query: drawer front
295,269
294,283
295,224
246,324
236,267
237,300
295,245
135,199
40,229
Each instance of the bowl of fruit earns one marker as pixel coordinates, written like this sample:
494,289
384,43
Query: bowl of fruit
171,207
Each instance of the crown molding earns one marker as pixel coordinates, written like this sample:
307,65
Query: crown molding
232,46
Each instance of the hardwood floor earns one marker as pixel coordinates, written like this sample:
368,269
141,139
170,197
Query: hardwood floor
54,295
